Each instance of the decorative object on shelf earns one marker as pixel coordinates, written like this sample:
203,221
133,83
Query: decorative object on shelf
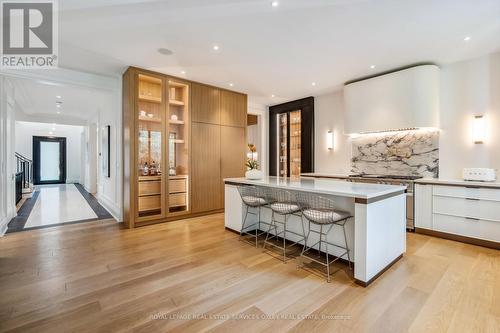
153,171
145,169
173,117
479,129
252,165
329,140
142,113
150,115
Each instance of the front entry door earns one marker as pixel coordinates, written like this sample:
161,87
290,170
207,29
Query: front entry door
49,160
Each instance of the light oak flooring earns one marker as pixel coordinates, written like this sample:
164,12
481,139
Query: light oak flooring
98,277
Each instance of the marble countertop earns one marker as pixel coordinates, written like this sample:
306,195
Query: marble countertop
459,182
323,186
325,175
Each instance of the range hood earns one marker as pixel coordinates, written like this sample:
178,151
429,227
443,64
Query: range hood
403,99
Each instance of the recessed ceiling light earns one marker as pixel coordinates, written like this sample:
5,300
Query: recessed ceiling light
272,96
58,105
275,3
165,51
183,72
231,84
59,97
216,47
372,66
58,112
50,133
53,128
313,84
467,38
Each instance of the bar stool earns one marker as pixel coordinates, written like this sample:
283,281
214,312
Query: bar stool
255,198
282,203
322,212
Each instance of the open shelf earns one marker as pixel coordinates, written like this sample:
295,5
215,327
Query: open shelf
176,122
175,102
151,120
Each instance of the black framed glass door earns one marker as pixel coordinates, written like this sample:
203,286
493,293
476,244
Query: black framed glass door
49,160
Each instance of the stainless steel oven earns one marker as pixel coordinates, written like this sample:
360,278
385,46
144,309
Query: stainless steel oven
407,181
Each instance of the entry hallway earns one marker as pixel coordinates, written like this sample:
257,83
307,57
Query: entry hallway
57,204
98,277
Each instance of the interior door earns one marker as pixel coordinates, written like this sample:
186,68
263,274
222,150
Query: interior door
49,160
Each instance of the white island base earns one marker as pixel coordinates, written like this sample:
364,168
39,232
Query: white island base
376,235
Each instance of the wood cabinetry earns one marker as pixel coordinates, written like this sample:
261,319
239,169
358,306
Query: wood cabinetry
233,109
206,164
172,160
205,104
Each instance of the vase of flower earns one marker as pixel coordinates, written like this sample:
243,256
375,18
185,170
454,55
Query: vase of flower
252,165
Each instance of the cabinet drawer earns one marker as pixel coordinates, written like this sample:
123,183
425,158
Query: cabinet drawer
467,192
177,199
481,209
148,188
177,185
482,229
152,202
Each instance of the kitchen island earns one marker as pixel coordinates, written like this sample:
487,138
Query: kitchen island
376,235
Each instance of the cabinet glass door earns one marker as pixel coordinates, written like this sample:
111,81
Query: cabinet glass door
178,143
150,151
295,143
282,144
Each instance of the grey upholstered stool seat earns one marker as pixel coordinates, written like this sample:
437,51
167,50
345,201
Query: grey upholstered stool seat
285,207
324,216
255,198
323,213
282,203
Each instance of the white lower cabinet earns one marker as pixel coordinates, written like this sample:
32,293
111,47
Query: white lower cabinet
457,210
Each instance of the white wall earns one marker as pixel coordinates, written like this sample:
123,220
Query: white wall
329,115
7,160
24,143
262,112
467,88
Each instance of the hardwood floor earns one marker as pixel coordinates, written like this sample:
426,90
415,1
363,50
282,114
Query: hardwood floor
97,277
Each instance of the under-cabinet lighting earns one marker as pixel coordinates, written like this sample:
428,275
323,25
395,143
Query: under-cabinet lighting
329,140
479,129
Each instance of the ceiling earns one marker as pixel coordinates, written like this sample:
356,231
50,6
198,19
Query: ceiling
266,50
37,102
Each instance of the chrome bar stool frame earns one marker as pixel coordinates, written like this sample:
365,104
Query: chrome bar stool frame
282,203
322,212
252,197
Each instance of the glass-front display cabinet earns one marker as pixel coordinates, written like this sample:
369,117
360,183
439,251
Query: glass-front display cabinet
291,138
150,150
162,147
178,147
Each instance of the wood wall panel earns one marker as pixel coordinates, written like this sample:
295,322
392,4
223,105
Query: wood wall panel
206,190
205,104
233,109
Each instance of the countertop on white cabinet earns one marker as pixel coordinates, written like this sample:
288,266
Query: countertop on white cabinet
457,182
325,175
324,186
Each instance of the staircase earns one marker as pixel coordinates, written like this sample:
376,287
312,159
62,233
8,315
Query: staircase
24,176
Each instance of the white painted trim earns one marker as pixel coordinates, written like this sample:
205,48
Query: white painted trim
3,224
67,76
113,209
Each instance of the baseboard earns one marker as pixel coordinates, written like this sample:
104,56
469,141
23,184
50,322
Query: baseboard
111,207
459,238
4,222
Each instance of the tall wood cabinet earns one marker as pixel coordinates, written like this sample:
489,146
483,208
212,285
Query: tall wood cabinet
181,139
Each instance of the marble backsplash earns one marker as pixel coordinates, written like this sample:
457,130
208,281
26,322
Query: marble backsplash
413,152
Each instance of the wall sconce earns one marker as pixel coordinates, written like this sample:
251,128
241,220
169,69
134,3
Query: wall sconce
479,129
329,140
